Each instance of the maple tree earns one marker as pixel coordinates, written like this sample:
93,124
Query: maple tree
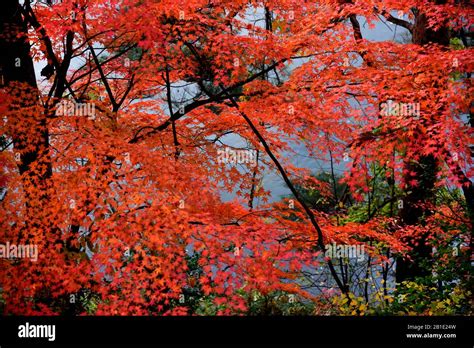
110,159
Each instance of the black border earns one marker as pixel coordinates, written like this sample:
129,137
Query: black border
238,331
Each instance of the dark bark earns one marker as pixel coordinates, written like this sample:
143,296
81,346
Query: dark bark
424,171
30,133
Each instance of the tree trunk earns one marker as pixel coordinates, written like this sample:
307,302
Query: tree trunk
424,172
26,118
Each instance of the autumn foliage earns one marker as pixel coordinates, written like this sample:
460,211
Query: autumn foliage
122,190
